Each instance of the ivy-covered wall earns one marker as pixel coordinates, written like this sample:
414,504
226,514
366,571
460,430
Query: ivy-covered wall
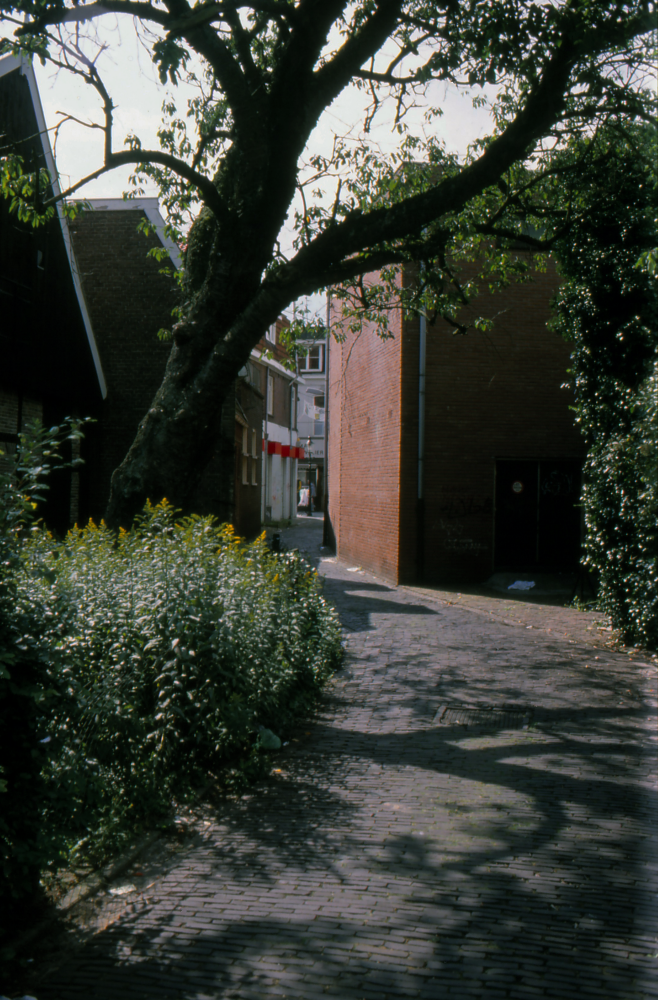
608,307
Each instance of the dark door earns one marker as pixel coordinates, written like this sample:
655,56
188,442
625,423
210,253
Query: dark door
515,543
537,518
559,514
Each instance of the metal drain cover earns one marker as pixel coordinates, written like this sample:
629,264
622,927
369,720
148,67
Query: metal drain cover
492,717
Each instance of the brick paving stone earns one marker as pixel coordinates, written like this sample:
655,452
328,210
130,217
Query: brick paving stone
395,856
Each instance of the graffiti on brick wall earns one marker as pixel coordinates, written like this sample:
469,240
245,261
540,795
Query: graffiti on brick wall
558,484
456,540
456,506
457,513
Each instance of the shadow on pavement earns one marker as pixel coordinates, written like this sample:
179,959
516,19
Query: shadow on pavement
465,892
423,861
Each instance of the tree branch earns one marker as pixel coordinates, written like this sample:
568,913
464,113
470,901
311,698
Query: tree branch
334,76
543,107
88,12
204,185
180,21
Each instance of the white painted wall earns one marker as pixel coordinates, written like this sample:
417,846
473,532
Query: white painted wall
279,477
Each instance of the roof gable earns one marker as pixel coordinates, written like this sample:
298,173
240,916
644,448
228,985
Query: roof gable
23,127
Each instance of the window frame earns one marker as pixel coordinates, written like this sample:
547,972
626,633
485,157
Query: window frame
305,357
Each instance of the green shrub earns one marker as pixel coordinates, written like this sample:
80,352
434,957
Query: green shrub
171,644
620,498
608,307
29,675
132,665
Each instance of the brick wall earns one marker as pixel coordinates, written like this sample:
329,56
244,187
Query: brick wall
364,448
16,412
128,300
494,395
489,396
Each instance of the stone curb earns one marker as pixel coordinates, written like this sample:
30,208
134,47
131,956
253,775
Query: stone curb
89,887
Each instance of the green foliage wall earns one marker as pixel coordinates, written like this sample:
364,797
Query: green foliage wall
608,306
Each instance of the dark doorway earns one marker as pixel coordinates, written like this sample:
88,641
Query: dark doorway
537,518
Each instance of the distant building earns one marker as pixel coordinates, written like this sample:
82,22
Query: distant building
311,365
454,456
81,307
282,449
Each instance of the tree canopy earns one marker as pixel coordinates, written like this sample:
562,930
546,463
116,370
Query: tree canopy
266,72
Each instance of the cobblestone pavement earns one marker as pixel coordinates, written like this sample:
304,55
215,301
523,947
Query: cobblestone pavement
470,814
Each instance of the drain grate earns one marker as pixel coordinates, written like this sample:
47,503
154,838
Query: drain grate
488,717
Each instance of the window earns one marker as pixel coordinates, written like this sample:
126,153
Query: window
245,440
254,444
271,334
254,472
313,361
245,470
270,394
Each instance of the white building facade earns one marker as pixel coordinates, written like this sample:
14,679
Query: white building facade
311,415
282,452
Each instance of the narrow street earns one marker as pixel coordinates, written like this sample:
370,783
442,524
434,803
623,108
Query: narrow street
472,813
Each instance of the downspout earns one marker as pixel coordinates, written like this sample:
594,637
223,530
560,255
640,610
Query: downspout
292,488
420,499
326,530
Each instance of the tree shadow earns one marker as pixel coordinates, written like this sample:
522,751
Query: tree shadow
396,857
357,608
510,862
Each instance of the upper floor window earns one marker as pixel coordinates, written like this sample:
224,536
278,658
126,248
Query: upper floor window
271,334
270,394
313,360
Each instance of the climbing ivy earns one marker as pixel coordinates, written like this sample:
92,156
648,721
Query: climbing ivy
608,308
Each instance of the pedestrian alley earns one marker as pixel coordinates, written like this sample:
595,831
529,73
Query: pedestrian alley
471,814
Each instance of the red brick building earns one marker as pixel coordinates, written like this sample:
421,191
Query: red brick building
451,457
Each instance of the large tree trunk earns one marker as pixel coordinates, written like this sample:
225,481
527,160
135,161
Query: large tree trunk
224,317
174,443
177,437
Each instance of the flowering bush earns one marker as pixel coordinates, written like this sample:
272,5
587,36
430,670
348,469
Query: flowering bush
166,649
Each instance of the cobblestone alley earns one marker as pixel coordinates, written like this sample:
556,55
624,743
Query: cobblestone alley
470,815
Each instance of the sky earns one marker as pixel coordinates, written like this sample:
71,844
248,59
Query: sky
137,94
